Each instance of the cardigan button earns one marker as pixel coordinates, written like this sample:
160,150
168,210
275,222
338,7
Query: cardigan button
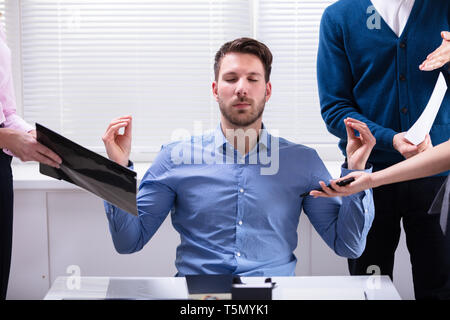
402,77
402,45
404,110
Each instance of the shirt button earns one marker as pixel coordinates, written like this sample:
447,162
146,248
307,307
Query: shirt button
241,190
404,110
240,222
402,77
238,254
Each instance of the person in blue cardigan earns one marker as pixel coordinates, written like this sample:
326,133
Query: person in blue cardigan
374,65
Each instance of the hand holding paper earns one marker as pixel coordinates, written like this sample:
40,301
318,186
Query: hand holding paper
407,149
417,133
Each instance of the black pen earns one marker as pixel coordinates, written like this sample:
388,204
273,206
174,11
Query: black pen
339,183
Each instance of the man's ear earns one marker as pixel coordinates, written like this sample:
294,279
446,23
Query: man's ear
214,90
268,90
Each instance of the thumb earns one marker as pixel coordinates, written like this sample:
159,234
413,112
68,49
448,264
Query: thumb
445,35
409,147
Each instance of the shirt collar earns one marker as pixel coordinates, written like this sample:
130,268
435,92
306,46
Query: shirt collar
221,140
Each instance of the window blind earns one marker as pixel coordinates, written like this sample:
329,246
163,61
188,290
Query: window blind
291,30
85,62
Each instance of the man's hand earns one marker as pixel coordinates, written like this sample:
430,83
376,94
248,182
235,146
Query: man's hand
406,148
440,56
358,148
118,146
24,146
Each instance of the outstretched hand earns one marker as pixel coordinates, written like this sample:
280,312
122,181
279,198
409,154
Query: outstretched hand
363,181
438,57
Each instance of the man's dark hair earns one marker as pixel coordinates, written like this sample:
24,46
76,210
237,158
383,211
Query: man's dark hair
245,45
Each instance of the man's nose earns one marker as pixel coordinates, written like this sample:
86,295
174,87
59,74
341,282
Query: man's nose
241,89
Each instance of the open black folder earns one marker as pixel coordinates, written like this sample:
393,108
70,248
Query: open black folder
89,170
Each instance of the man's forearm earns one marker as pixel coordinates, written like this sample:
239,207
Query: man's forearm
353,224
125,229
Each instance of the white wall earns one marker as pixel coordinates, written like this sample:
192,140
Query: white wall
57,225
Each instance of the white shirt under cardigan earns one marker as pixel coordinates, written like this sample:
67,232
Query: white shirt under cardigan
394,12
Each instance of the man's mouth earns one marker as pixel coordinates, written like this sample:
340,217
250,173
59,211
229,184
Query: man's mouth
241,105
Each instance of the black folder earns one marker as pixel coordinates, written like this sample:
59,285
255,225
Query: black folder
90,171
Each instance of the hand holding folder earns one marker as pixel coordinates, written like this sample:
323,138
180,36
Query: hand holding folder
90,171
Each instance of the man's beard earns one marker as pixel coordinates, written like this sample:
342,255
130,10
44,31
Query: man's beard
236,118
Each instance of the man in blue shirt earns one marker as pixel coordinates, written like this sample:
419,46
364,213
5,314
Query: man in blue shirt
234,193
371,67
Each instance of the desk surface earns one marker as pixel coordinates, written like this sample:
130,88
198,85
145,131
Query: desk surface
288,288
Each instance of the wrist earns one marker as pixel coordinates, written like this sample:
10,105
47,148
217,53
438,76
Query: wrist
356,166
348,169
376,179
124,163
5,137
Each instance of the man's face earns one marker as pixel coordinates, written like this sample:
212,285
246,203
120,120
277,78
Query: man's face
240,89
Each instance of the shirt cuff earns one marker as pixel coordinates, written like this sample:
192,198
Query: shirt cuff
345,171
15,122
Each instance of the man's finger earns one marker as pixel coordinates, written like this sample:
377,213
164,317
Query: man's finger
112,131
356,121
116,121
350,131
364,131
128,128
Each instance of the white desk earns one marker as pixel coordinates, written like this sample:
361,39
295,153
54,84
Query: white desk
288,288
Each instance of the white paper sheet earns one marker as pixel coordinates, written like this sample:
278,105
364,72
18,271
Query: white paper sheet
416,134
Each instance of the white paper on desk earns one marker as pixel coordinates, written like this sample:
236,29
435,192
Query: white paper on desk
416,134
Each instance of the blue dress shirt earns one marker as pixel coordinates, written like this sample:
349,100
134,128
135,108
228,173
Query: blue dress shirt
239,214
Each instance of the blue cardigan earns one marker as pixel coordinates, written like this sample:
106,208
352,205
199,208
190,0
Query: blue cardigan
366,72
